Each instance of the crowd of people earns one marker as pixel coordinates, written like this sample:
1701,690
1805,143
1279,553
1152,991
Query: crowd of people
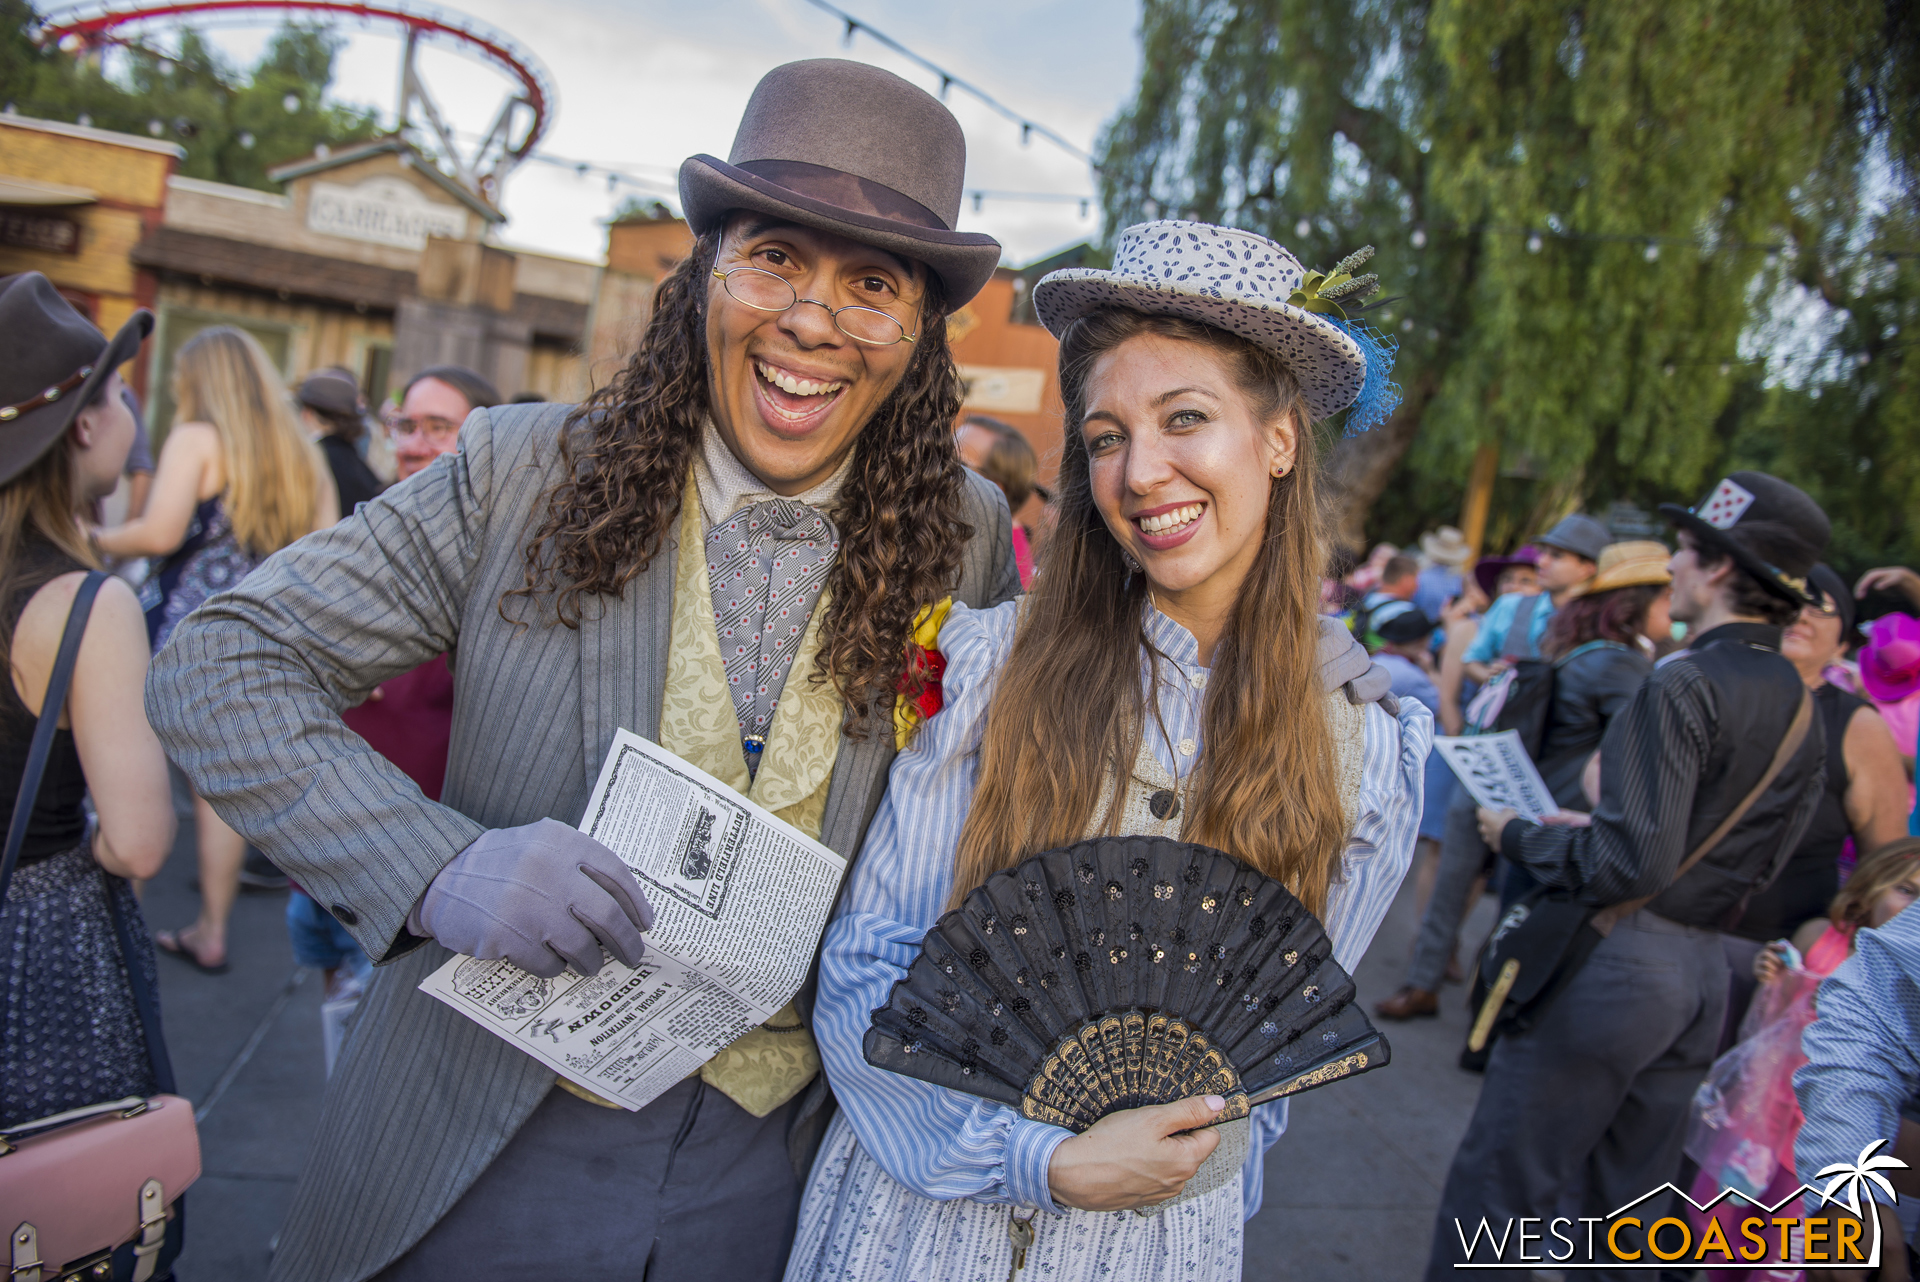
390,656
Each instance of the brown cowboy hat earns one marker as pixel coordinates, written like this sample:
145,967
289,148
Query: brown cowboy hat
847,148
59,361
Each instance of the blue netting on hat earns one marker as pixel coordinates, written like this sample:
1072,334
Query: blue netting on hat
1379,395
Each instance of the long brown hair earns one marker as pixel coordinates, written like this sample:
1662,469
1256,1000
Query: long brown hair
1070,705
39,537
629,447
273,471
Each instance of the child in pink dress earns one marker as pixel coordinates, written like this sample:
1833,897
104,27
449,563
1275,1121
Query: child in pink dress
1745,1117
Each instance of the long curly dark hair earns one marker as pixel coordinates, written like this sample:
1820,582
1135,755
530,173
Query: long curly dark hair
628,449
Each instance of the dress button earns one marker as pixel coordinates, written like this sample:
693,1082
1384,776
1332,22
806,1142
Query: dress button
1186,747
1163,804
346,915
1198,680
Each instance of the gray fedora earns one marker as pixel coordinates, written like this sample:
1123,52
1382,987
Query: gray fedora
1578,534
58,362
847,148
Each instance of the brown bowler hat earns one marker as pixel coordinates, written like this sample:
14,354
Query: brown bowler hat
58,362
848,148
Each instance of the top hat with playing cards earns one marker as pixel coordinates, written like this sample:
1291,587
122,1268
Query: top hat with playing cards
1772,530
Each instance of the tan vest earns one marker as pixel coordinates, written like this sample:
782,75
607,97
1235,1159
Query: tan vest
772,1063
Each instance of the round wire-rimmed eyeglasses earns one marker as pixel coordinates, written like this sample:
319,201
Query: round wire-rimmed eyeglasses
766,291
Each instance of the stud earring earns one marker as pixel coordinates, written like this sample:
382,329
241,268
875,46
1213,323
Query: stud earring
1133,566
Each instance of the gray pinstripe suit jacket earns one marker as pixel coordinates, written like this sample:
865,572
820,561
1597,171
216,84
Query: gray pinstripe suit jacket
247,698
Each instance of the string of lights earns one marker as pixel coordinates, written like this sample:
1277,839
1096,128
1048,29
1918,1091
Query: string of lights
949,81
1537,237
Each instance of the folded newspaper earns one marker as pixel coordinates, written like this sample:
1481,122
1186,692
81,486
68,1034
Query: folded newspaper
1498,772
740,899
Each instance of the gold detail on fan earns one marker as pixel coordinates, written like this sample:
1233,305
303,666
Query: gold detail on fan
1346,1066
1129,1059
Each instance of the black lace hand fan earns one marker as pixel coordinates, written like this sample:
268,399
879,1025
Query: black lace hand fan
1122,972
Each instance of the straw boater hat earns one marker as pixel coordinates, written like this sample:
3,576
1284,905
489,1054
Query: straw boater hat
1446,546
847,148
1232,280
1627,565
56,362
1771,529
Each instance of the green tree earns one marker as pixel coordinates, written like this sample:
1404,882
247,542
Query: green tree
233,126
1573,200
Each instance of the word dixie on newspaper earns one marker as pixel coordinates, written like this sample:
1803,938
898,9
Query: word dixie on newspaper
740,899
1498,772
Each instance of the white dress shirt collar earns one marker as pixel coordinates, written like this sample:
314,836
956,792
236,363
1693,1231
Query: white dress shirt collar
726,485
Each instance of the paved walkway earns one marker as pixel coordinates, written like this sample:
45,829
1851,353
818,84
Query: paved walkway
1351,1187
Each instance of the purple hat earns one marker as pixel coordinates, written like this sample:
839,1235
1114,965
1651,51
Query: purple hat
1487,571
1890,661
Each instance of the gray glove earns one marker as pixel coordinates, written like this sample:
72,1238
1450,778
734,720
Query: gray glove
1345,662
543,896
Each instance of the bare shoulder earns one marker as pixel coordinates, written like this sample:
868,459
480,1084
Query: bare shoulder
115,623
1867,726
193,439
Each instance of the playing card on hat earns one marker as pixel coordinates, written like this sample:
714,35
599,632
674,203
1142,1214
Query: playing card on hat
1726,505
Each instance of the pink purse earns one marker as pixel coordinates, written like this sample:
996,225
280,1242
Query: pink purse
91,1193
79,1184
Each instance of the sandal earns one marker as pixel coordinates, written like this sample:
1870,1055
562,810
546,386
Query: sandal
175,943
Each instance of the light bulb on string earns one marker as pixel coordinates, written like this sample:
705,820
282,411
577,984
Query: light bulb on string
1419,238
1534,243
1653,252
1302,228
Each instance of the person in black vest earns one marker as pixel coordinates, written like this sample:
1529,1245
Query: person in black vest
1593,1096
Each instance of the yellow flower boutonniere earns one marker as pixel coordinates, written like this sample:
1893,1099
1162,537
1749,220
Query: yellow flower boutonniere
918,692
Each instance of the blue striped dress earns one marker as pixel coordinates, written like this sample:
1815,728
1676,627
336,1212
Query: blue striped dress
917,1182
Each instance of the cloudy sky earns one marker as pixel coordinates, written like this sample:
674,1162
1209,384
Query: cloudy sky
643,84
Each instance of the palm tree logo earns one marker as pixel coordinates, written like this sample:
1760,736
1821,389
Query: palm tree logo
1861,1176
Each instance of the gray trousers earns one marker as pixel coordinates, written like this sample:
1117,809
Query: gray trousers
1462,856
1591,1103
690,1187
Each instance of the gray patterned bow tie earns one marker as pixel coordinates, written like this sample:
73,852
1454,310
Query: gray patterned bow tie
767,564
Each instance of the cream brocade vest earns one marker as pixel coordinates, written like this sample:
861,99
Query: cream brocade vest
1348,724
772,1063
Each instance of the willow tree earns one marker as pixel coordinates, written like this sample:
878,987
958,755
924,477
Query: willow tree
1579,205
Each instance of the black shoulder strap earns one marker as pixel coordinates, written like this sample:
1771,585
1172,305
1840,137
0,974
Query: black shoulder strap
50,706
1522,624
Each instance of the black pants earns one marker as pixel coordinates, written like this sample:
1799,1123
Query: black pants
690,1187
1593,1099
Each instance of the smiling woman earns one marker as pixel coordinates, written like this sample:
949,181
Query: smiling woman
1163,680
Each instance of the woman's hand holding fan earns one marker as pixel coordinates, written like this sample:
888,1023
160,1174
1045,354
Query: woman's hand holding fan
1136,1157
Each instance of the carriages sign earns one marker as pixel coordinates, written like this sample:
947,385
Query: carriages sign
383,211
